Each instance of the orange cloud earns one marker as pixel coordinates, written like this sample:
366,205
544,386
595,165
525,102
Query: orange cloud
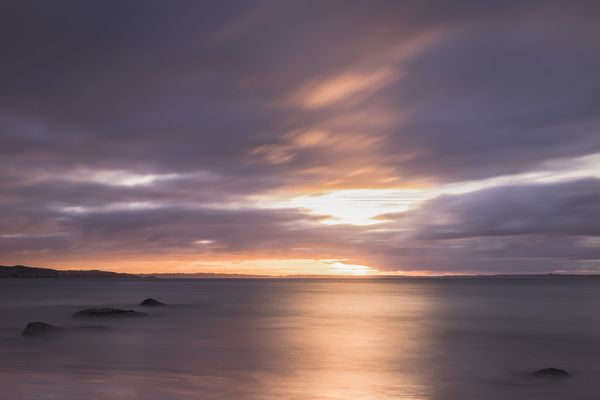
344,87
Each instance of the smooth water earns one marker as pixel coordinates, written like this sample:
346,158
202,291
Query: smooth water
347,339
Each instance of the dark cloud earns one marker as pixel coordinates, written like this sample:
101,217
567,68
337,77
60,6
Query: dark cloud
559,209
502,100
169,231
199,85
527,228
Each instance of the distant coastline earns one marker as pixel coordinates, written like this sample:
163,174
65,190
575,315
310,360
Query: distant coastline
22,271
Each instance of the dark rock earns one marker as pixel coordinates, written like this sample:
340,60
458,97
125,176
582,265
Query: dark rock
551,373
107,312
150,302
40,330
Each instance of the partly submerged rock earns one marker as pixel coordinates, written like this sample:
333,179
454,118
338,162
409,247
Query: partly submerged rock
107,312
40,330
551,373
45,331
150,302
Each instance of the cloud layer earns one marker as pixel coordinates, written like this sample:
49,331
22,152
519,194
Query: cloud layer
131,128
516,229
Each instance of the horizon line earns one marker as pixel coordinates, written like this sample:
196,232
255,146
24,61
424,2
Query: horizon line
190,275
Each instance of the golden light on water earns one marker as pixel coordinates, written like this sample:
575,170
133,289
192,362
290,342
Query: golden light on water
346,347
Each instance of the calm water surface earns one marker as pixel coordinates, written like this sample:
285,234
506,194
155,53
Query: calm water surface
304,339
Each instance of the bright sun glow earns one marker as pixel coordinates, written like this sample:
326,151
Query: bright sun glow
339,267
357,206
278,267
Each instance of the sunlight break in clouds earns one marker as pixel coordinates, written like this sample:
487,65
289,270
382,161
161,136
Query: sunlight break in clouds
357,206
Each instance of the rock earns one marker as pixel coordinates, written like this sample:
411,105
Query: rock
45,331
107,312
40,330
150,302
551,373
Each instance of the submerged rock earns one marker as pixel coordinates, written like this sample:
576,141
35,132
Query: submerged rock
107,312
40,330
551,373
150,302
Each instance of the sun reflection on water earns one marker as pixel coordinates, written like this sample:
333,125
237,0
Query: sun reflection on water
344,347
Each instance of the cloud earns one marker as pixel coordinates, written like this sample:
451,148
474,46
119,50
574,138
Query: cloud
484,101
512,229
162,124
526,228
166,232
155,92
344,87
560,209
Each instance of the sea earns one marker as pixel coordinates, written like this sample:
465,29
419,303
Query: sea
304,339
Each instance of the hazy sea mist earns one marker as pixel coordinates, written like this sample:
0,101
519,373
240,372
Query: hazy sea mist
304,339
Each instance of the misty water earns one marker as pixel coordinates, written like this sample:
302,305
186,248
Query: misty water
304,339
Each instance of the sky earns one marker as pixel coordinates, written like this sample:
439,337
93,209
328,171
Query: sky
301,137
